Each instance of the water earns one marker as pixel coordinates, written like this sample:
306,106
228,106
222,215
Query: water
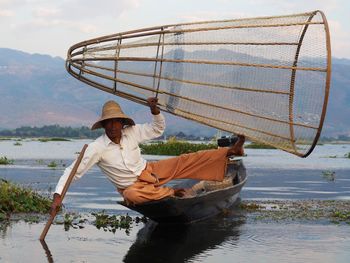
216,240
273,175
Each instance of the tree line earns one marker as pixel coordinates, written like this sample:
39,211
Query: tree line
78,133
52,131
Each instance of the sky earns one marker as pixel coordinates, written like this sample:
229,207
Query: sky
52,26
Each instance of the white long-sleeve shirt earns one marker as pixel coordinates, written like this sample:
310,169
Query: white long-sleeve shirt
122,163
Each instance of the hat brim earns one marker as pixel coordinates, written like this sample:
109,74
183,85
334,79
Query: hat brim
98,124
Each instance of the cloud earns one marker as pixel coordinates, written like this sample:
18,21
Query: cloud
46,12
207,16
340,39
296,6
84,9
51,24
6,13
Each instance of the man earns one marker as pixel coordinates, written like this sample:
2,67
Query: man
118,155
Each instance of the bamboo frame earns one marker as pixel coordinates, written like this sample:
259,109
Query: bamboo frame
192,100
208,62
292,81
210,85
158,30
98,50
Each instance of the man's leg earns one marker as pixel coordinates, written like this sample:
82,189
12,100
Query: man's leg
141,192
202,165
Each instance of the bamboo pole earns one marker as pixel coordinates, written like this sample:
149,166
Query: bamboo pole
191,61
65,188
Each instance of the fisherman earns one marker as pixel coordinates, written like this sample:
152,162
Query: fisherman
118,155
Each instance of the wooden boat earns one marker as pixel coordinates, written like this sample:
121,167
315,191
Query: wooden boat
208,199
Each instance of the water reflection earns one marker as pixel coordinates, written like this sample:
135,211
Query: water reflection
47,251
161,243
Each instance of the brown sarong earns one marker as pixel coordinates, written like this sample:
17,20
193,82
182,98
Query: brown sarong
203,165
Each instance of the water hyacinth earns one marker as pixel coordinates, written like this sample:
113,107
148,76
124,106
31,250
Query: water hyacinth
174,147
5,161
15,199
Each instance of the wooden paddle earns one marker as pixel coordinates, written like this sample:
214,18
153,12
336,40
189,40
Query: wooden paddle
65,188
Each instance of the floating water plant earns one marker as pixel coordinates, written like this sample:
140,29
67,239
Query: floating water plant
54,139
335,211
15,199
174,147
52,164
71,220
341,216
254,145
5,161
113,223
329,175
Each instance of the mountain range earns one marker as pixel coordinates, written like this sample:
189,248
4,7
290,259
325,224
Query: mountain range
36,90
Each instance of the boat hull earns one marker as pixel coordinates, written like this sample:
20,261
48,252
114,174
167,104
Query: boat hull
175,210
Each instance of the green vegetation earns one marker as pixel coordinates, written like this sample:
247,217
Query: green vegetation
55,139
328,175
174,147
341,216
15,199
347,155
5,161
334,211
17,144
254,145
52,164
71,220
113,223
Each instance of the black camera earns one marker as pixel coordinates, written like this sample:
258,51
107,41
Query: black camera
225,141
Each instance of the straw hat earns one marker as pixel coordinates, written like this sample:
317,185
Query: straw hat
112,110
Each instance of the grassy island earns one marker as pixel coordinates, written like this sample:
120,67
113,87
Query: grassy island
5,161
174,147
16,199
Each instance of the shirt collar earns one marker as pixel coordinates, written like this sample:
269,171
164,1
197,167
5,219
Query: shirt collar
108,141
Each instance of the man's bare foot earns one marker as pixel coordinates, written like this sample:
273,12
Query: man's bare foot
237,149
183,192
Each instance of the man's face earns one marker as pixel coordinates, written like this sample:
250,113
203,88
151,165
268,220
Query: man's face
113,128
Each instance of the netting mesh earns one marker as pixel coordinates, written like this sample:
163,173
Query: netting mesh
266,78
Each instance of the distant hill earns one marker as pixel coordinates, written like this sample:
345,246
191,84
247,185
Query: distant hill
36,90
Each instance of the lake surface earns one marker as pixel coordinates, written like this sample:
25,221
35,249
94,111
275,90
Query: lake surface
273,175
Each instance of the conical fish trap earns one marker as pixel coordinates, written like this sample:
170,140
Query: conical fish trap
267,78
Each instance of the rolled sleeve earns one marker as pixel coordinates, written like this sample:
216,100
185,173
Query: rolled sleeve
150,131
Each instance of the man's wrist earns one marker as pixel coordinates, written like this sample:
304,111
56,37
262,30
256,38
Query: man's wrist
155,111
